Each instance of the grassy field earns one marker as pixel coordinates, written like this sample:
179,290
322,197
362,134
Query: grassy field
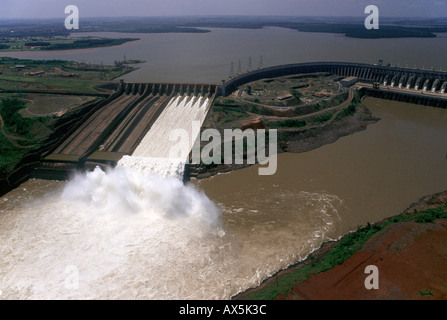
19,135
224,115
28,118
41,105
10,82
56,75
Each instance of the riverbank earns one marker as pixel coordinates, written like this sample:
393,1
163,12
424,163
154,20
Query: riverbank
409,250
297,140
64,44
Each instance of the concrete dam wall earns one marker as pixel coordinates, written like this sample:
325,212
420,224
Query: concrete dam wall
415,81
161,151
118,127
134,124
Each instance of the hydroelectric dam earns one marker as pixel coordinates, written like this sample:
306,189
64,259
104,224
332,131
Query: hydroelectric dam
133,123
117,126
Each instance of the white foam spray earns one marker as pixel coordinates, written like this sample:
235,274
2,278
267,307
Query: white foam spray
138,232
164,167
135,237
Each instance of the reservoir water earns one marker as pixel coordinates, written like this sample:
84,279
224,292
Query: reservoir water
207,57
119,235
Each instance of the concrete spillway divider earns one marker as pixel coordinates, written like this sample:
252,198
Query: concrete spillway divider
144,121
86,134
83,119
97,144
444,87
125,121
435,85
129,123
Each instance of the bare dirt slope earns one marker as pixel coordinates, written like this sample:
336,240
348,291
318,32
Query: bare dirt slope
411,258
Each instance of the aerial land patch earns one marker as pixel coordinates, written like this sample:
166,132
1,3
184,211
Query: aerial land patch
32,112
308,111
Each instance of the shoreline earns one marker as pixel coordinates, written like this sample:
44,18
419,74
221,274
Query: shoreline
302,140
66,47
324,285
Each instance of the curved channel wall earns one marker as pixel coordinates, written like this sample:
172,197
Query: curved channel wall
415,80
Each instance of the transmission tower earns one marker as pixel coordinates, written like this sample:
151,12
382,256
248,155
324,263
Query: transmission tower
239,67
261,63
249,64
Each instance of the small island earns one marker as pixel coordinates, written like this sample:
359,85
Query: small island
49,44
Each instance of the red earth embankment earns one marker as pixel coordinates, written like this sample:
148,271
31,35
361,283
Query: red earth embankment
411,259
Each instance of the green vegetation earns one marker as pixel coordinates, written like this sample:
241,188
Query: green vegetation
296,95
349,27
38,44
23,131
291,91
231,110
323,117
58,75
12,119
61,44
352,107
42,83
8,62
423,293
18,134
334,101
350,110
342,250
355,30
46,30
224,115
88,43
289,123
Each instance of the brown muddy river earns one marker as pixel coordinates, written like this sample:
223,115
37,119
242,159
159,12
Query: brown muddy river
120,236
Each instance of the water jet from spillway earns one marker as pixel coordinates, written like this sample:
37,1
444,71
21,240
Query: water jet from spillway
153,154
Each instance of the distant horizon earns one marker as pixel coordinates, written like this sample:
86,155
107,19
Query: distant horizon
54,9
226,16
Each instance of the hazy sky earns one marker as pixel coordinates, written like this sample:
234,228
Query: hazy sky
106,8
